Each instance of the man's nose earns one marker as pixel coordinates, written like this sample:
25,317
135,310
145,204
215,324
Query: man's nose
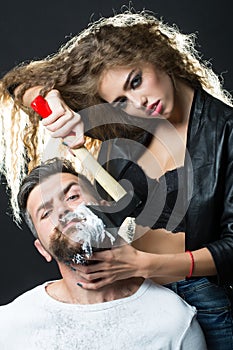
62,210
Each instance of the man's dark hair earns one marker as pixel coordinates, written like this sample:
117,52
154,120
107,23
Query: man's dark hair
42,173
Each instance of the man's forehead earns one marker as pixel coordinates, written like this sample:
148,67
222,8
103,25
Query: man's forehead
57,182
51,187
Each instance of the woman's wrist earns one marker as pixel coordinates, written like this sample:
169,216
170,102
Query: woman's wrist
164,265
147,264
198,263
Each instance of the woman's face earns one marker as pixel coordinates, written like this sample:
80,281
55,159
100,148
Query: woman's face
143,92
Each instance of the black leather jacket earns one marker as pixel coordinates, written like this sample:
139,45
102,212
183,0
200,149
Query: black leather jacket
209,218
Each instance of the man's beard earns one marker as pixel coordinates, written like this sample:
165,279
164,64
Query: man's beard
85,235
64,249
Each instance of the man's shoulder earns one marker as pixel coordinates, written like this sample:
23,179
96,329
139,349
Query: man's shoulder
161,311
169,301
20,319
24,303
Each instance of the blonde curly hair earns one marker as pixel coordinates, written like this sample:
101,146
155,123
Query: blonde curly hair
125,39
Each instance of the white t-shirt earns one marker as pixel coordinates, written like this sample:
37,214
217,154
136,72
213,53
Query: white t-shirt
153,318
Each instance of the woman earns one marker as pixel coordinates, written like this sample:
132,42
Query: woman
182,119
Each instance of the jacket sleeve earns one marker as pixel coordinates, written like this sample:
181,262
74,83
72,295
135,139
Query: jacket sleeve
222,249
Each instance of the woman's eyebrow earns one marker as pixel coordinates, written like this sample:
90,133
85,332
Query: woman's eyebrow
128,79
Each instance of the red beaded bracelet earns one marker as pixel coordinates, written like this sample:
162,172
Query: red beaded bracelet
192,264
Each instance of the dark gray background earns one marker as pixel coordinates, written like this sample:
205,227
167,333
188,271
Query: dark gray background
32,30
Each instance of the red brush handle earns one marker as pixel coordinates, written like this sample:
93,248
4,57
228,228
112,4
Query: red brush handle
41,106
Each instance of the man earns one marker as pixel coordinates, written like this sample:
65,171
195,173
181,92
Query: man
129,314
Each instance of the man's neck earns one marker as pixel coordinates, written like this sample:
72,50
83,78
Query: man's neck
66,290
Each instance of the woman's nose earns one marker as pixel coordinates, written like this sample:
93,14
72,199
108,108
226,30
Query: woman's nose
138,101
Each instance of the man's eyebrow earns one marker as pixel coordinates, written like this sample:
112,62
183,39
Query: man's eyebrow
42,206
63,192
125,86
68,187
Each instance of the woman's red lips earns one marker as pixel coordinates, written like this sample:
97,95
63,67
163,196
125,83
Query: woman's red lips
155,108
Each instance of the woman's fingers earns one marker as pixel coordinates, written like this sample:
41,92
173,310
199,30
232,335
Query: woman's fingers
124,253
63,126
106,255
77,140
90,269
63,122
92,277
96,285
69,127
58,119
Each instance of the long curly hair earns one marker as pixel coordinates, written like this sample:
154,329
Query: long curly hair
123,40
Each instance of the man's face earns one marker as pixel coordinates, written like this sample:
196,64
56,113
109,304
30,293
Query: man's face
48,203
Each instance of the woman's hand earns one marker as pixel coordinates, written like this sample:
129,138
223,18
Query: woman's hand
63,122
113,265
126,262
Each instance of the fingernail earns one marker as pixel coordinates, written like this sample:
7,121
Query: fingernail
65,144
72,268
79,284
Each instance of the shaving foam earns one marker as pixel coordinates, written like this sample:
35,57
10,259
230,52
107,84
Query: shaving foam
88,230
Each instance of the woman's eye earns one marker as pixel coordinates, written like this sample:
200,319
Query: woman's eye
121,103
136,81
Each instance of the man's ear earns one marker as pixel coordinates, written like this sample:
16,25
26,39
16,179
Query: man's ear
42,251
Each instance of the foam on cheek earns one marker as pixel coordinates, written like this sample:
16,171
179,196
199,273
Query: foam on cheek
89,229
